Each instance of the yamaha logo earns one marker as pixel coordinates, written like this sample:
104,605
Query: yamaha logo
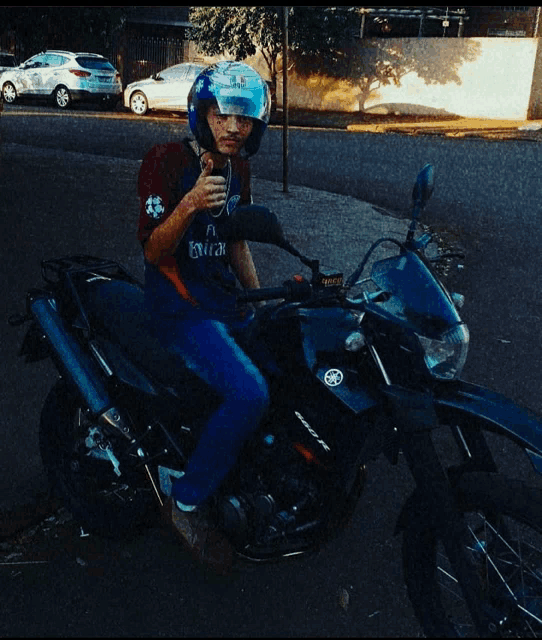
333,377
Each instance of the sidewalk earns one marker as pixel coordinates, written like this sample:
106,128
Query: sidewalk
449,126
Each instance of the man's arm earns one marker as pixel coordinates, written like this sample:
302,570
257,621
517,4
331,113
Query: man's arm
208,192
243,265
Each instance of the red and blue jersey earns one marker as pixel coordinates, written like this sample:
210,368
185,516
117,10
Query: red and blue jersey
198,274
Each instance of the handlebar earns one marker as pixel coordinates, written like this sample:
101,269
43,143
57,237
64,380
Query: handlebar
291,290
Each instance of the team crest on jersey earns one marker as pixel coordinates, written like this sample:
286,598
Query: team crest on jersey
154,207
232,203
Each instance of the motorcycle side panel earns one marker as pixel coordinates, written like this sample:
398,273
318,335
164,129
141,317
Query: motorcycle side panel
125,370
346,386
325,354
522,425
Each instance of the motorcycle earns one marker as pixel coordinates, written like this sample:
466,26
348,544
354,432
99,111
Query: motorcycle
351,377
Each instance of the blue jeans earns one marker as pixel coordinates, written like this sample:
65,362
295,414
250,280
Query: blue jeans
208,349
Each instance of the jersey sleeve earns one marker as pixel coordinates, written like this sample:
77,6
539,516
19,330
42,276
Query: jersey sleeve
155,189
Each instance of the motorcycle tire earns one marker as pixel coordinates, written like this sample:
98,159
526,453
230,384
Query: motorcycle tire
102,502
504,518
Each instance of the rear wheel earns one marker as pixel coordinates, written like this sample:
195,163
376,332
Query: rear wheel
80,463
504,519
62,97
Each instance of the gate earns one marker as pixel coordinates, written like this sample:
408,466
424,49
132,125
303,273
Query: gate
9,43
144,56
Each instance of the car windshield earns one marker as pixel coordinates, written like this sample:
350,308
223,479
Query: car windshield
99,64
174,73
7,60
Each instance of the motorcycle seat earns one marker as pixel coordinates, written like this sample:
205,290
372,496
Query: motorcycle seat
116,311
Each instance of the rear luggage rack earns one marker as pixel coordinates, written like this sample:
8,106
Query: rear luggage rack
74,272
55,269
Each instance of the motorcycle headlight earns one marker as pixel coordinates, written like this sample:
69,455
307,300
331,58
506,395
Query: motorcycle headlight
445,357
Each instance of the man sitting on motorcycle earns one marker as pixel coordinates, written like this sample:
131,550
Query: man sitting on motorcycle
187,192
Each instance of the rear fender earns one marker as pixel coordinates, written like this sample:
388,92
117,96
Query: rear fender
496,412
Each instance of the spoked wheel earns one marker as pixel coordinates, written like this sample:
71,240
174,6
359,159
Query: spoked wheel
504,520
107,497
139,104
62,97
9,93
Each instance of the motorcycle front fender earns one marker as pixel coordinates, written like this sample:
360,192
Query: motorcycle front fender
493,411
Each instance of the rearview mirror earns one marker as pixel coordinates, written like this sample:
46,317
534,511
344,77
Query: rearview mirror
423,188
255,224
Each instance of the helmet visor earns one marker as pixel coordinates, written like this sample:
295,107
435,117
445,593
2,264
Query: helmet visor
240,93
251,107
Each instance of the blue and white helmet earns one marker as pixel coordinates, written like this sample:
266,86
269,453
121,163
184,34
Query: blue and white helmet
236,89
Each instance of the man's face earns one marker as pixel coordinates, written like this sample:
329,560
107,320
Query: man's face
230,132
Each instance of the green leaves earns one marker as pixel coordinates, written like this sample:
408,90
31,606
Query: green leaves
241,31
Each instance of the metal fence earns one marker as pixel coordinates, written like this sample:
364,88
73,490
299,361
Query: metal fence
10,44
142,56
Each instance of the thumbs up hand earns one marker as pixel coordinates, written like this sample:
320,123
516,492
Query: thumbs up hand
209,191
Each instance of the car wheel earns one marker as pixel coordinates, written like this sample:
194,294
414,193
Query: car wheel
9,93
62,97
139,104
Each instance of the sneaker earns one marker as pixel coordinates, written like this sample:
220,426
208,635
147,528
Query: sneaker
203,540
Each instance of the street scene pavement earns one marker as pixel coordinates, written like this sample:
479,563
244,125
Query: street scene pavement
55,579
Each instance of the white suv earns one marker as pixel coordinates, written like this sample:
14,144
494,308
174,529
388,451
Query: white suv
65,77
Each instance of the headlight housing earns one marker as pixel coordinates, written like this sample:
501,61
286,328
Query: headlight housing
445,357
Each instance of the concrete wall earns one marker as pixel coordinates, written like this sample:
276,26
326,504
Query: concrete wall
493,82
469,77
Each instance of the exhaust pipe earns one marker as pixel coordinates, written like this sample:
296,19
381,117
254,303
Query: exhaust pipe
73,362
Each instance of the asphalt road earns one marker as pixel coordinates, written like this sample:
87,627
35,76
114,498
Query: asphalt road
85,201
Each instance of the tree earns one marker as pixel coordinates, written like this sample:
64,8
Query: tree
323,40
71,28
379,62
242,31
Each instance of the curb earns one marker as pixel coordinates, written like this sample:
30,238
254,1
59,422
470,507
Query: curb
452,128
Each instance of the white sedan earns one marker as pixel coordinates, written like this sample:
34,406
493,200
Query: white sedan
165,90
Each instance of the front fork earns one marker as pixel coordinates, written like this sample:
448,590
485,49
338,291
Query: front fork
414,418
435,503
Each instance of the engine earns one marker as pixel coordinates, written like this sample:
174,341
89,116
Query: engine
278,503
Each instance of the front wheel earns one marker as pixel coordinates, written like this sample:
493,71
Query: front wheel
9,93
80,463
504,520
139,104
